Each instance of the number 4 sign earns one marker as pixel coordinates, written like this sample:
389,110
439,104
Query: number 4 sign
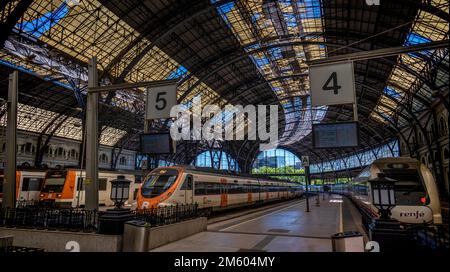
160,101
332,84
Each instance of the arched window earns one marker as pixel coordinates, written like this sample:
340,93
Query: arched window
423,160
216,159
420,137
104,158
60,152
442,126
429,159
28,146
123,160
278,161
72,154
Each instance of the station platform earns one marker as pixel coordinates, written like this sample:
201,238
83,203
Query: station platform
287,227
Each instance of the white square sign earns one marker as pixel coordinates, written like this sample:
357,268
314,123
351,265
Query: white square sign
160,101
305,160
332,84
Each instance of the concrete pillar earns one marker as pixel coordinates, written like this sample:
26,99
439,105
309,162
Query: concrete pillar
9,186
91,181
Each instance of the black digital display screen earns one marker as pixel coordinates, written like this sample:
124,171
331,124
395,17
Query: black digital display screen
157,143
335,135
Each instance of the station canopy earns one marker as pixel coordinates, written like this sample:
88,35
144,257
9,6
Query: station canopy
229,52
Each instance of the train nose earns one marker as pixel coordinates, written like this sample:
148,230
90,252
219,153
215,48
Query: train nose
147,203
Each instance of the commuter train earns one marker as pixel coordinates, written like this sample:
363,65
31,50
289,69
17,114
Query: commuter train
28,184
415,190
213,190
65,187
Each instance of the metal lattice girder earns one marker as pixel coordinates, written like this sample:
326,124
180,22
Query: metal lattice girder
222,49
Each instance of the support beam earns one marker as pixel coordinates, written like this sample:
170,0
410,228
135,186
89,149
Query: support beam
91,181
12,19
382,53
123,86
9,185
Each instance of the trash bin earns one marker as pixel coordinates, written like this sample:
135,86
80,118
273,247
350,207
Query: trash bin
348,241
135,236
112,221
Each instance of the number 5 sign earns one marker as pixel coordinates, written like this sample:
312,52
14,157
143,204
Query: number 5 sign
160,101
332,84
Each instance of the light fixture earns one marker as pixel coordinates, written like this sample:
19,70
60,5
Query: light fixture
120,191
383,195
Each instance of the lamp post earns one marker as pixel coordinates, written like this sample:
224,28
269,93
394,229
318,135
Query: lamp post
386,231
112,220
120,191
383,197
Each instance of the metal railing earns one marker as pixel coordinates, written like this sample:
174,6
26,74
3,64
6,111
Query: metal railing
168,215
36,217
75,219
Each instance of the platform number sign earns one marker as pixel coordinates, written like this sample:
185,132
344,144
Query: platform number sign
160,101
305,160
332,84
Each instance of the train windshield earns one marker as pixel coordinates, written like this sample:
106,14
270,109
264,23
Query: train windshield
408,187
158,182
54,184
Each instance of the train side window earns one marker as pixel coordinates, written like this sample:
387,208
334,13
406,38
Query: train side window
102,183
80,185
200,188
1,184
187,184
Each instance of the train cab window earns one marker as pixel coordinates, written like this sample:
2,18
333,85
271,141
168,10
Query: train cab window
32,184
54,183
102,183
409,189
159,181
187,184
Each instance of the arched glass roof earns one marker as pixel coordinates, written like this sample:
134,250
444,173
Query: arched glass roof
227,51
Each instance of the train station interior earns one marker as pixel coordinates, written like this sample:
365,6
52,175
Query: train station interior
224,125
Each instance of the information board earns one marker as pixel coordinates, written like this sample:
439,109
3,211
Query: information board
157,143
335,135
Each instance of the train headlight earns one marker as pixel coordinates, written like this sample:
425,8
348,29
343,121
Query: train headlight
41,195
58,195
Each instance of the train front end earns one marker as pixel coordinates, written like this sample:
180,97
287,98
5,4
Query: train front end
158,188
416,195
56,190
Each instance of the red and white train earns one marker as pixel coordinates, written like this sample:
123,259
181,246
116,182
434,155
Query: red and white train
214,190
28,184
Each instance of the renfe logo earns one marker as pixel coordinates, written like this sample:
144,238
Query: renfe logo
415,214
412,214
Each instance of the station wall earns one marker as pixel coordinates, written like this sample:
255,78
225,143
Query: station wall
61,152
437,133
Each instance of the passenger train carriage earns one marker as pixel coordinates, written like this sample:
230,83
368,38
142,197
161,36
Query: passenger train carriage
416,194
28,184
214,190
65,187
